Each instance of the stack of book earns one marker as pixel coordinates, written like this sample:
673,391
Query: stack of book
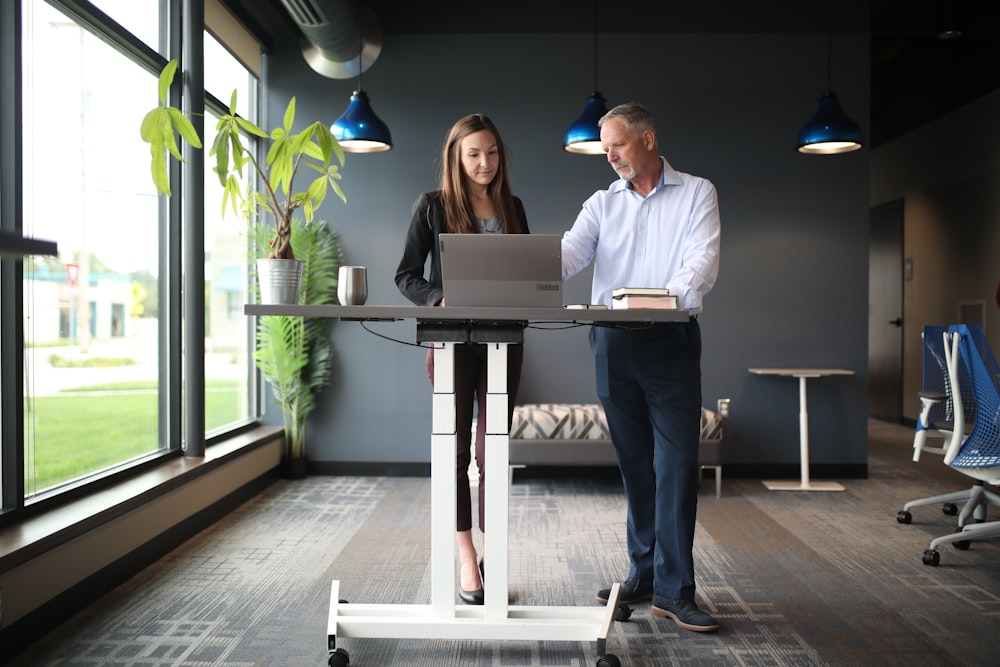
643,297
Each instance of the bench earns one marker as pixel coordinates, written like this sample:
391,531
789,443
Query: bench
574,434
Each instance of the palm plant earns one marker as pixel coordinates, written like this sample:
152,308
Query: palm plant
294,354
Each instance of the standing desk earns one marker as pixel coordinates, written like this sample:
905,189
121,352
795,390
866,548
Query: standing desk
802,374
443,328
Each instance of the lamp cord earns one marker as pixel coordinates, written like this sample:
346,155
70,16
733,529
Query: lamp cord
595,46
829,45
361,49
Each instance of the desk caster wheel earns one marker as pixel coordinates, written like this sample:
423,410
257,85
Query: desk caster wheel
951,509
610,660
623,613
339,658
904,517
932,557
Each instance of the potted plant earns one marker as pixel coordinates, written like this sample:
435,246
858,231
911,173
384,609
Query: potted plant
313,147
294,354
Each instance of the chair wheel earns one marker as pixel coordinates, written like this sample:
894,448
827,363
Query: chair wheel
610,660
623,613
951,509
339,658
932,557
904,516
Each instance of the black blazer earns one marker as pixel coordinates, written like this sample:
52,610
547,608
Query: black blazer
422,240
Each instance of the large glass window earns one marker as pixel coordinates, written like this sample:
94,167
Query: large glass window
96,371
228,367
92,354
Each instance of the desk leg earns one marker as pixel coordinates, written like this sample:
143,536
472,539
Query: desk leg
804,484
497,483
443,484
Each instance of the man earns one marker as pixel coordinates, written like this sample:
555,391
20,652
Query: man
654,227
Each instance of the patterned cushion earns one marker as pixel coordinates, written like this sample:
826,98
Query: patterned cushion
574,421
562,421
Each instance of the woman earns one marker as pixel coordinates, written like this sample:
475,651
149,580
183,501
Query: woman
474,198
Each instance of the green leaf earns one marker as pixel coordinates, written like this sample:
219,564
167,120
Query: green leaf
170,142
220,149
166,79
183,126
151,123
159,169
336,187
317,190
231,193
290,115
250,127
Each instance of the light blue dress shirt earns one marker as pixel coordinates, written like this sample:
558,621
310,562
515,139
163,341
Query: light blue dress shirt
669,238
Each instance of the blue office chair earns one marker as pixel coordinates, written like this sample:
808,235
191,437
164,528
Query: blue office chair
935,424
978,454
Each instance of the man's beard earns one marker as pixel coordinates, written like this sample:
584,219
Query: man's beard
627,172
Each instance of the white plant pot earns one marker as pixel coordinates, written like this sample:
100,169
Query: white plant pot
279,280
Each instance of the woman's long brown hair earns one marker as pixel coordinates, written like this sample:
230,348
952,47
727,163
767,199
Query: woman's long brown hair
455,197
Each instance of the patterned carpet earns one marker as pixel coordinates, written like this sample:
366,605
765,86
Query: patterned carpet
794,578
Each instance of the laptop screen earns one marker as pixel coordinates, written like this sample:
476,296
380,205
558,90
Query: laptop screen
508,270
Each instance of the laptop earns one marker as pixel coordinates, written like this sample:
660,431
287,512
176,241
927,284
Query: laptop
508,270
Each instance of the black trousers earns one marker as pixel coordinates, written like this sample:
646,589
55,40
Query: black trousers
470,389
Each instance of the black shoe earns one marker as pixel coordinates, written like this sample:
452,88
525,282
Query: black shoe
630,591
471,597
685,614
482,569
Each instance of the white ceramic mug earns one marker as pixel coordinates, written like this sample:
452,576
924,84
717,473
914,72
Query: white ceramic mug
352,285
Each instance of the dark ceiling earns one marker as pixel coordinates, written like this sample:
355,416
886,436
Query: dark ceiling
916,74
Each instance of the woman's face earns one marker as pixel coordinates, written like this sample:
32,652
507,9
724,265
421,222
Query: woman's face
480,157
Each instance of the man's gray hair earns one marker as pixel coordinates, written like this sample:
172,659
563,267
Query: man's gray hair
637,117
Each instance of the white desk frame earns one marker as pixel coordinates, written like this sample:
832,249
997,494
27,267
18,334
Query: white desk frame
496,619
803,374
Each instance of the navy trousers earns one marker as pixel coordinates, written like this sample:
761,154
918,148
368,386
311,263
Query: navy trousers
649,382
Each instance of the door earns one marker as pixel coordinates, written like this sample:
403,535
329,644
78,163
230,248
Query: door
885,313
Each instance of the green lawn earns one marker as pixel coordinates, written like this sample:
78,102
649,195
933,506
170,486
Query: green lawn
96,427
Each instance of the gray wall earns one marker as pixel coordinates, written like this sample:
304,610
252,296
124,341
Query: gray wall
793,285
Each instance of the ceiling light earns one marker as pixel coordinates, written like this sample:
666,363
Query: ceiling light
830,131
359,130
584,134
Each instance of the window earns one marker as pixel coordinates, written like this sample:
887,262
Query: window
99,365
229,370
91,379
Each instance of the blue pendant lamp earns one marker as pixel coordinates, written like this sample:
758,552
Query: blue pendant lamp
584,134
830,131
359,130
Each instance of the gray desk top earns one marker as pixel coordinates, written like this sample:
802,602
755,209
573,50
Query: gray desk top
449,313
